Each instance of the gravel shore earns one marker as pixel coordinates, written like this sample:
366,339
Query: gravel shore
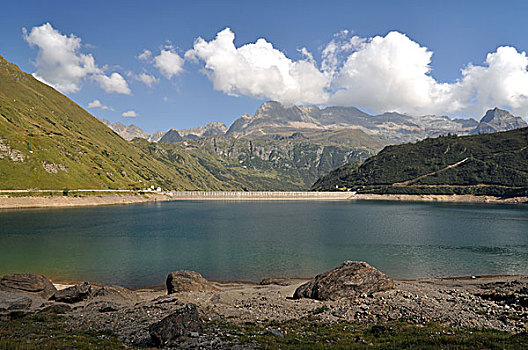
26,202
497,302
489,302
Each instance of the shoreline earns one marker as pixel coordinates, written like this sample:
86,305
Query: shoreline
455,198
62,284
32,202
28,202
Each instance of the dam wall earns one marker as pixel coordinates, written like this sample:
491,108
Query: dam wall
258,195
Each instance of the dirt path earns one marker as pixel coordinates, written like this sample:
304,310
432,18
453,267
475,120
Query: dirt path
408,182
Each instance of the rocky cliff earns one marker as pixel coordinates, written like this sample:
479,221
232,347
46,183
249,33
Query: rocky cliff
498,120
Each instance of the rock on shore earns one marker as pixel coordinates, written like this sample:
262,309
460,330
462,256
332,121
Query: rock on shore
74,294
187,281
348,280
27,283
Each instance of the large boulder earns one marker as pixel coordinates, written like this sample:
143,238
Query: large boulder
187,281
27,283
74,294
349,280
181,323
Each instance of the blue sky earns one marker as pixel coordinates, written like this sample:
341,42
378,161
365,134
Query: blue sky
115,33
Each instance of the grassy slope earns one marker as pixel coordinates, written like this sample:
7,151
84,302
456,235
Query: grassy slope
93,155
63,133
491,160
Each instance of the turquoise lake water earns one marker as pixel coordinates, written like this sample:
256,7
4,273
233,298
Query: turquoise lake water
137,245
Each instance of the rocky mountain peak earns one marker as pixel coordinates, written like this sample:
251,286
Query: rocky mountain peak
269,106
496,114
171,136
211,129
498,120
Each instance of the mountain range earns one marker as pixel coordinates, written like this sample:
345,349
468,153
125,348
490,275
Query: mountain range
132,131
275,121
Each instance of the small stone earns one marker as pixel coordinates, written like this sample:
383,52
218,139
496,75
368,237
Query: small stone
56,308
165,300
275,281
275,332
73,294
108,306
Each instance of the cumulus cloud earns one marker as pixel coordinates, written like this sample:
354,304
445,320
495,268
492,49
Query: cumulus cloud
169,63
113,83
502,81
147,79
129,114
259,70
390,73
61,64
98,104
382,73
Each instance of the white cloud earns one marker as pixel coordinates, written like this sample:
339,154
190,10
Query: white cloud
147,79
113,83
259,70
59,61
130,113
383,73
61,64
503,81
390,73
169,63
98,104
145,55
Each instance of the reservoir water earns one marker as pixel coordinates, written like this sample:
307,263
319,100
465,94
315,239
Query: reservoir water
137,245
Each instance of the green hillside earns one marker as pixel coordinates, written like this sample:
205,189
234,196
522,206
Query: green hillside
495,164
49,142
